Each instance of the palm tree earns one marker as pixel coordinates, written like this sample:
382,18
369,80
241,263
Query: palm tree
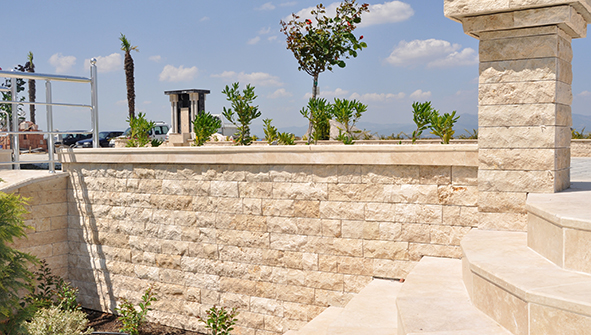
126,46
30,67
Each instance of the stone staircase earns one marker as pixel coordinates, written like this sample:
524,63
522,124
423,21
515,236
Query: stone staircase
517,283
371,312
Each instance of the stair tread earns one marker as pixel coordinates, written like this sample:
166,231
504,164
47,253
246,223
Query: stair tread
319,325
569,208
433,300
372,311
504,259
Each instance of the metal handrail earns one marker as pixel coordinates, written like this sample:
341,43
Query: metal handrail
49,110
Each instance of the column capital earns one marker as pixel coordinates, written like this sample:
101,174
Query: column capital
478,16
173,98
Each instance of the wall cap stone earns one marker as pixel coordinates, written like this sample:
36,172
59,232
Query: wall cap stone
15,179
442,155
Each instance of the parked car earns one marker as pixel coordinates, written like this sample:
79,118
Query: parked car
70,140
104,138
158,132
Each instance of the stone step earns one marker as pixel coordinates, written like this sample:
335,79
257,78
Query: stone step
371,312
522,290
433,300
559,226
319,325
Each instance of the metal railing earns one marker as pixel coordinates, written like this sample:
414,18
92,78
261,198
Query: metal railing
49,111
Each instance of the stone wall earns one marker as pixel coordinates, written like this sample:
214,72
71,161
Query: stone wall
47,206
280,233
5,156
580,148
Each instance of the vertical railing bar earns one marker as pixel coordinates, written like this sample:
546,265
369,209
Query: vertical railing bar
94,103
15,137
49,110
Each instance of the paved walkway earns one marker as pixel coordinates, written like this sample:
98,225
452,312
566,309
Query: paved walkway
580,169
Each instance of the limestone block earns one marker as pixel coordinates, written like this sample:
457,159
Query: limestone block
330,228
172,217
354,284
417,213
464,175
415,233
526,47
288,242
284,276
326,174
278,207
325,281
502,202
438,175
332,298
458,195
418,250
502,221
203,250
545,238
394,269
524,159
342,210
295,311
256,190
291,173
147,272
390,231
386,250
299,294
300,191
172,202
334,246
243,238
380,211
448,235
517,181
576,250
346,265
525,115
228,205
349,174
306,209
421,194
203,281
556,321
524,137
377,174
291,226
242,255
357,192
266,306
185,187
224,189
533,92
536,69
251,320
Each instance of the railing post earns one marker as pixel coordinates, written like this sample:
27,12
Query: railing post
15,139
94,103
49,110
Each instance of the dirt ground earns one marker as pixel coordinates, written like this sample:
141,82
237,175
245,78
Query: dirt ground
104,322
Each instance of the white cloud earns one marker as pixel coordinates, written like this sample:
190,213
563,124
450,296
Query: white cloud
203,19
433,52
254,78
287,4
62,63
266,6
584,94
377,97
339,92
419,95
272,38
254,41
121,103
264,31
112,62
388,12
155,58
175,74
280,93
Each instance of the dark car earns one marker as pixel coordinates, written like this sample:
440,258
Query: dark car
70,140
104,138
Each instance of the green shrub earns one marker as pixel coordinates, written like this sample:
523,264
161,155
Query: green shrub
318,113
271,134
442,125
576,135
422,115
220,320
140,131
14,274
130,317
470,135
286,139
242,108
54,320
204,126
347,113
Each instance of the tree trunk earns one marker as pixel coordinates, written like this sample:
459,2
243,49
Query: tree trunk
311,123
32,98
130,85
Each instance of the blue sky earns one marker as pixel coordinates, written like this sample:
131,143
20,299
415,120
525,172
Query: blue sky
414,54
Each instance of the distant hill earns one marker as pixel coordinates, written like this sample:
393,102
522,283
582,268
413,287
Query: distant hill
466,122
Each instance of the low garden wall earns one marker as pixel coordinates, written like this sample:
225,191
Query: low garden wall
580,148
278,232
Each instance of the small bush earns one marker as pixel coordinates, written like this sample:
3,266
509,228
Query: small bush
442,125
271,134
220,320
318,113
286,139
131,318
422,115
580,135
242,109
140,130
54,320
204,126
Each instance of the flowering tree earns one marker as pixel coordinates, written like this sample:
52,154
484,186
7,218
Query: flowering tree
320,44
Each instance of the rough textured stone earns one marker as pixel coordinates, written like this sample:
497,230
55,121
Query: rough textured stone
525,115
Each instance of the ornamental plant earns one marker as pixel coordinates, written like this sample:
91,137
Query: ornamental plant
130,317
140,130
442,125
55,320
324,42
219,320
243,110
347,113
318,114
204,126
286,138
422,115
271,134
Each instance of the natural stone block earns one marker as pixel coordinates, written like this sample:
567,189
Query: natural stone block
349,174
385,250
248,222
417,213
448,235
342,210
300,191
291,173
223,189
502,202
331,228
299,294
325,281
502,137
278,207
537,69
517,181
418,194
531,92
464,175
434,175
266,306
256,190
390,231
556,321
243,238
380,211
332,298
241,254
458,195
346,265
288,242
233,300
185,187
525,47
252,206
171,202
535,114
306,209
415,233
418,250
394,269
357,192
354,284
524,159
502,221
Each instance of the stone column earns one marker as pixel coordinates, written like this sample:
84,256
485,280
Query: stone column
174,99
524,113
194,98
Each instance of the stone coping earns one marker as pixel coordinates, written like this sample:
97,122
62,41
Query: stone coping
503,259
440,155
15,179
567,209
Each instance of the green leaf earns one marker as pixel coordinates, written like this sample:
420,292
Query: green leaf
341,64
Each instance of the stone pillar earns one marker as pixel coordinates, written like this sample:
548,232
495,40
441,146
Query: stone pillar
174,100
194,98
524,113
